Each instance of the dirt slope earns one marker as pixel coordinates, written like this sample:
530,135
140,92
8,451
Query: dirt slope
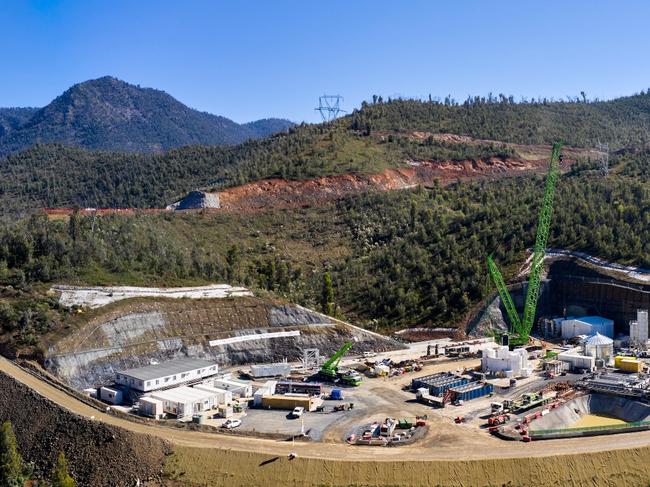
280,193
99,454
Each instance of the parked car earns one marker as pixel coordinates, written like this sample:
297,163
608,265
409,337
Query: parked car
231,423
297,412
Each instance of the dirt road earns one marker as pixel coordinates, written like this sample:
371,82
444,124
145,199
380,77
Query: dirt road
478,448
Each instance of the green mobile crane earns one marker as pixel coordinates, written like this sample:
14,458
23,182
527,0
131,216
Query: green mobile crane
330,369
521,327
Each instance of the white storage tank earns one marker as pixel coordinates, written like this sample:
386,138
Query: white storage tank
599,347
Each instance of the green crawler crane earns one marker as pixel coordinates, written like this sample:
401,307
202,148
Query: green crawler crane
521,328
330,369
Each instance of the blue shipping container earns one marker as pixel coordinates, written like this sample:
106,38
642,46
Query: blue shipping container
441,389
467,392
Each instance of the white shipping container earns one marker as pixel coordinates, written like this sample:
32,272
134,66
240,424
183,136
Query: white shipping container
281,369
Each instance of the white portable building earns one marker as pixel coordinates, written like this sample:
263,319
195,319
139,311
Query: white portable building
111,394
91,392
171,373
185,401
577,360
222,396
237,388
151,407
268,389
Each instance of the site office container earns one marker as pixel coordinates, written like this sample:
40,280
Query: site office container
311,388
271,370
471,391
288,402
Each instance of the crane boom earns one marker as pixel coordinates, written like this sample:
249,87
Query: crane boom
543,229
515,322
330,367
522,327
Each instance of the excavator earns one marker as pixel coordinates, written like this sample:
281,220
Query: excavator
330,369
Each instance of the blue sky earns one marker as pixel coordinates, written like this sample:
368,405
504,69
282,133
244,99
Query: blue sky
253,59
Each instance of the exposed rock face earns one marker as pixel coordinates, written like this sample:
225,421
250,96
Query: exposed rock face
196,200
138,333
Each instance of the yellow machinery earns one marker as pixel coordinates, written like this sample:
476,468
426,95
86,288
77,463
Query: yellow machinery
628,364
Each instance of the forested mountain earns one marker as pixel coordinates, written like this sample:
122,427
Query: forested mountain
107,113
267,126
371,139
13,118
404,258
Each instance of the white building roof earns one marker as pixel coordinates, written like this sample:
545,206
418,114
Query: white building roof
594,320
150,400
213,390
165,369
182,394
599,339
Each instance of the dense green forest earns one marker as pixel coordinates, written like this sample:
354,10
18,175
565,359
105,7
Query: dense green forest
396,259
621,122
58,176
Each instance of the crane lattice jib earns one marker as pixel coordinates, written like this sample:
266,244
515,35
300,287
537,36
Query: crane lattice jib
543,228
506,299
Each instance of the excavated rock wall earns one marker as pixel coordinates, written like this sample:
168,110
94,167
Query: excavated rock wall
618,407
571,289
92,356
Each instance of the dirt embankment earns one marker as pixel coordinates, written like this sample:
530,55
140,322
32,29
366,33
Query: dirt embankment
209,468
280,193
98,454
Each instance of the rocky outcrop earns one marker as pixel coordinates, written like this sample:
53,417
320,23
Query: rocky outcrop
196,200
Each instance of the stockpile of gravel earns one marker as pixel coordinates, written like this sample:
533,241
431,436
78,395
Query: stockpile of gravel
98,454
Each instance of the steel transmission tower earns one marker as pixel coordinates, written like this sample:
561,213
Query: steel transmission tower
603,158
329,107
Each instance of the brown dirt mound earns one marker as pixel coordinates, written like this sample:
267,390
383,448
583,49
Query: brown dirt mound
98,454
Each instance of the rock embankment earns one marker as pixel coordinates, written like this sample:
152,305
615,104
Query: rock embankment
98,454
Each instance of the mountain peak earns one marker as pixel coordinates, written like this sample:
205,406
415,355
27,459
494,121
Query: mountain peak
108,113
